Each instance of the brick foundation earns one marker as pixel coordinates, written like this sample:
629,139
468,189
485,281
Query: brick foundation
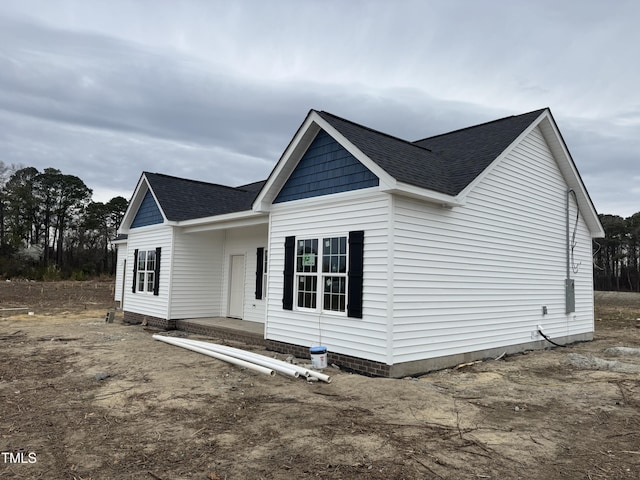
359,365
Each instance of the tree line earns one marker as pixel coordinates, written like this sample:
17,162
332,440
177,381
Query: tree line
617,256
51,229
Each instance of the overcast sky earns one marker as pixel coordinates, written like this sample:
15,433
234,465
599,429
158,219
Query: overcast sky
215,90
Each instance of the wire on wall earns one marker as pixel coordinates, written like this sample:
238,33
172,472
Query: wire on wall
574,266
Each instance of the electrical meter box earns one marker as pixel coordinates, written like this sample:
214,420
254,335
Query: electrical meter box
570,295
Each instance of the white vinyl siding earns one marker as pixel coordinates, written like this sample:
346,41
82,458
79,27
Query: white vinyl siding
244,241
197,274
476,277
149,238
325,217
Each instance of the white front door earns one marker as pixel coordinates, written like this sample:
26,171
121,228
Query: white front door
236,287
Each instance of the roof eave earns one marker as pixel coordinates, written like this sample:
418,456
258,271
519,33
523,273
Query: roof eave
244,218
559,148
430,196
554,139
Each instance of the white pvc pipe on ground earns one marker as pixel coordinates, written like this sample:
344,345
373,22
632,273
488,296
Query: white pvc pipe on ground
255,356
244,354
303,371
277,365
219,356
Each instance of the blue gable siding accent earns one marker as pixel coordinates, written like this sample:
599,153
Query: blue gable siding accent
148,213
325,168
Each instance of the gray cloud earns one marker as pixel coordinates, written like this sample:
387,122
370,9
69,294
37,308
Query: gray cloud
216,91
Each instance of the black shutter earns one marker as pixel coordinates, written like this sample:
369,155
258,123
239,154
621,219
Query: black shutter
156,275
289,263
259,272
135,270
356,262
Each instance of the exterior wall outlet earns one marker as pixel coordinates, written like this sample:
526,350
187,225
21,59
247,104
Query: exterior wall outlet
544,310
535,334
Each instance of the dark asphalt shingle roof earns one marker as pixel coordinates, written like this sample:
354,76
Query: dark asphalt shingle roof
401,159
183,199
467,152
445,163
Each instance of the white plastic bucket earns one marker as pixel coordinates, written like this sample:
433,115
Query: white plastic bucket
318,356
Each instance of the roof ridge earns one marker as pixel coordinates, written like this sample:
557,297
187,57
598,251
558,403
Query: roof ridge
202,182
480,125
251,183
373,130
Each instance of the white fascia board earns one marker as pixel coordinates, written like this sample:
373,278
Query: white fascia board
567,166
412,191
487,171
155,199
136,200
297,148
219,222
385,179
129,231
134,203
287,162
554,139
327,201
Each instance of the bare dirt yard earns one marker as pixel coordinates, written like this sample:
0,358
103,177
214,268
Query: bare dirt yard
85,399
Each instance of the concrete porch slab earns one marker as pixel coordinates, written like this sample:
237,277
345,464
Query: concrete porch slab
225,328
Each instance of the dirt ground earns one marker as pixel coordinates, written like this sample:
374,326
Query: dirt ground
163,412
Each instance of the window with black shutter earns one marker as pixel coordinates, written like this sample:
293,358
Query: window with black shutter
146,271
324,275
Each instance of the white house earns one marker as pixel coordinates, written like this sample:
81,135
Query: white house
400,257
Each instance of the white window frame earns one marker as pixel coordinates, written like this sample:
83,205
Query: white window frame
146,271
319,276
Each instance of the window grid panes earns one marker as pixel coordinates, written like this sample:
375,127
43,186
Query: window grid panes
307,291
334,262
146,270
330,281
306,256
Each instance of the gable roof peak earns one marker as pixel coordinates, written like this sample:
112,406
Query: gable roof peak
185,199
